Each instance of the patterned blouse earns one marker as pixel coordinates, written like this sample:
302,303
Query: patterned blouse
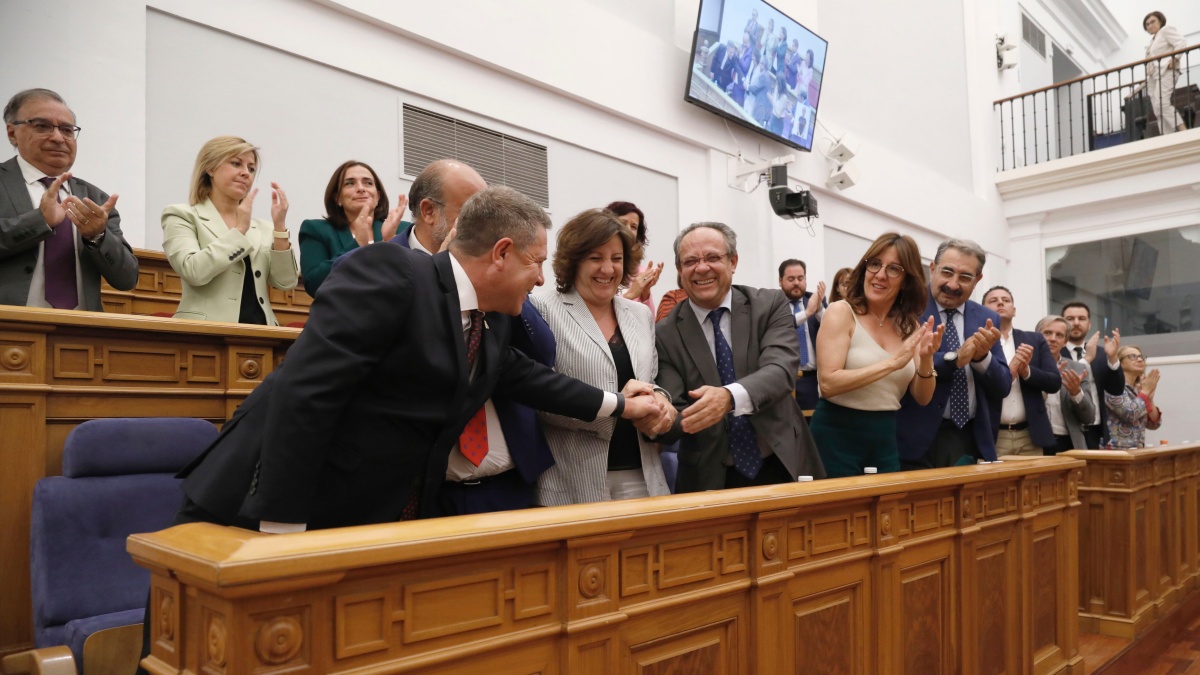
1128,419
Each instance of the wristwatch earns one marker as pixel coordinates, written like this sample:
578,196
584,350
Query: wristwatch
951,358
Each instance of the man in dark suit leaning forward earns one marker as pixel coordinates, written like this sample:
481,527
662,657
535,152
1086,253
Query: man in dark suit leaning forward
400,352
960,423
728,357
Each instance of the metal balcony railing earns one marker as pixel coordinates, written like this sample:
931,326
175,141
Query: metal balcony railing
1100,110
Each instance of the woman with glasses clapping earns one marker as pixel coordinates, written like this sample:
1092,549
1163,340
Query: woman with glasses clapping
871,349
1133,412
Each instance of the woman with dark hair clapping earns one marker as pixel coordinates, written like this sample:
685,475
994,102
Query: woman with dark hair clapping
873,348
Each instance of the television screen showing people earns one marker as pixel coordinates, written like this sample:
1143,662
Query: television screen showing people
756,66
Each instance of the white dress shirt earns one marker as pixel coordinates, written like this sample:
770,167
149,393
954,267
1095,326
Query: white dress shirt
1012,408
742,403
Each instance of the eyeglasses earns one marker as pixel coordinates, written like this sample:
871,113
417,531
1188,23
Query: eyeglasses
947,273
1134,357
894,271
712,259
44,127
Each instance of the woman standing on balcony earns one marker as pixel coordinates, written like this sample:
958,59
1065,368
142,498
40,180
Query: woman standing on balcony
1161,73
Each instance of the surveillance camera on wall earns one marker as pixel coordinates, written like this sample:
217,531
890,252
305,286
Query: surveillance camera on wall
787,203
844,150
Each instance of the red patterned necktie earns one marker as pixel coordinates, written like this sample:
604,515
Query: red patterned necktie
58,262
473,441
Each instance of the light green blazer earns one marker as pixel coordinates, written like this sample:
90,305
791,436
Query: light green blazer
208,254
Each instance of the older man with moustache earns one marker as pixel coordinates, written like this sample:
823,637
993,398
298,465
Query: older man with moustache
1107,376
960,423
1024,426
728,358
58,234
1074,403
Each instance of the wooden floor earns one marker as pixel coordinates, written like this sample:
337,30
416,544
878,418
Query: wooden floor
1171,648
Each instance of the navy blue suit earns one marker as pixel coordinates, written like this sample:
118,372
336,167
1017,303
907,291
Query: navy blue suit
917,425
1044,378
522,432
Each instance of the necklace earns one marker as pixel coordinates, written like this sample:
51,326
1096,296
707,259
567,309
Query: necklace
878,320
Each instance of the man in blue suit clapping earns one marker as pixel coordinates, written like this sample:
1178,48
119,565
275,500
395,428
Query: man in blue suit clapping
961,422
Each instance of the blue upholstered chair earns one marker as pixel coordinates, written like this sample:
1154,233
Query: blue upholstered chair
118,479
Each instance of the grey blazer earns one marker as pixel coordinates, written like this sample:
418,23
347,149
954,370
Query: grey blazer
22,229
581,448
1073,412
765,358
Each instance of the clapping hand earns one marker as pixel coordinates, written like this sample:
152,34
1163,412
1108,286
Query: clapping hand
1089,349
932,340
1149,382
1019,365
911,346
279,207
1112,345
245,208
361,226
814,302
392,223
644,280
1071,379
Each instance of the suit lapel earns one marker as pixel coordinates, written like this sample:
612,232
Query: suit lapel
211,219
449,290
626,321
14,184
739,325
692,336
578,311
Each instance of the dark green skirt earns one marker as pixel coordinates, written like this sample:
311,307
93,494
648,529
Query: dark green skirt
850,440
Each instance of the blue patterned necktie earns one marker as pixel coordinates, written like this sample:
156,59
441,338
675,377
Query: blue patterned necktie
960,403
743,444
801,334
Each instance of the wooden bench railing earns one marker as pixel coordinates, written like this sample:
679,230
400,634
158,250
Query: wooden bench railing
1140,536
61,368
158,291
960,570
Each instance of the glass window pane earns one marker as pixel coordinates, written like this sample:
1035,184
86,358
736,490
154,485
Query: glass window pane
1147,285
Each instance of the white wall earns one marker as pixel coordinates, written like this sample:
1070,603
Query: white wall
601,77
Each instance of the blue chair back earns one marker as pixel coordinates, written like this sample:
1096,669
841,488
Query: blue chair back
118,479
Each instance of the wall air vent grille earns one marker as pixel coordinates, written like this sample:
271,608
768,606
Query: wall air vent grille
501,159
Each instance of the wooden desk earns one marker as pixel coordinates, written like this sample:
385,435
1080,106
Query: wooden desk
1139,550
158,291
960,570
60,368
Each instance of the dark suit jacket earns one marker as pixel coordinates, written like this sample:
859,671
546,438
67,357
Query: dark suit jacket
22,228
1044,378
320,244
1108,381
722,70
522,431
765,358
917,425
371,399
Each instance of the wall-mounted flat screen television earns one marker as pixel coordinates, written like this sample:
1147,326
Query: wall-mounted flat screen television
754,65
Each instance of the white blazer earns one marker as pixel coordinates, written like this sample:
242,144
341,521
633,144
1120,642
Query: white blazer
1165,41
208,254
581,448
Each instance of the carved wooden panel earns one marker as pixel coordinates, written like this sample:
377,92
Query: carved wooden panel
22,358
762,581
